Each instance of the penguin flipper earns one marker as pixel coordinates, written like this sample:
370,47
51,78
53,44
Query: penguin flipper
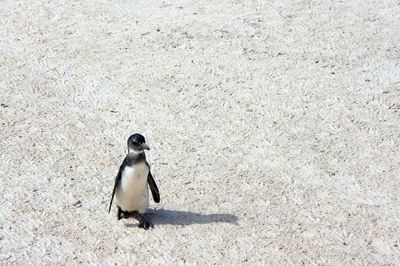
153,188
117,180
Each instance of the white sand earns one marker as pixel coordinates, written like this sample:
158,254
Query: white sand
274,129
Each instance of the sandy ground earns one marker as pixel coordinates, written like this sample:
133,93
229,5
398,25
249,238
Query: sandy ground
274,129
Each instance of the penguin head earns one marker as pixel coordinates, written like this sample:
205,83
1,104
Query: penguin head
137,143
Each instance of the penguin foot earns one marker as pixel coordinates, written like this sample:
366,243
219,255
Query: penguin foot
143,223
122,214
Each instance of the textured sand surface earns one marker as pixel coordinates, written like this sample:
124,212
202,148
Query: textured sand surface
274,129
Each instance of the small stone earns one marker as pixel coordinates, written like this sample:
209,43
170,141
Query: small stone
77,204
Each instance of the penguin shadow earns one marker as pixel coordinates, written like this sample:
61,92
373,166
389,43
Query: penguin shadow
174,217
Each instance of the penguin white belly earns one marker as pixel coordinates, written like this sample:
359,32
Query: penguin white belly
132,193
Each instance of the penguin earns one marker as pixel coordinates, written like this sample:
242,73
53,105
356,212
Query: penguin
132,181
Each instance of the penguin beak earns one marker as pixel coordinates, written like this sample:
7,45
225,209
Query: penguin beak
145,147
